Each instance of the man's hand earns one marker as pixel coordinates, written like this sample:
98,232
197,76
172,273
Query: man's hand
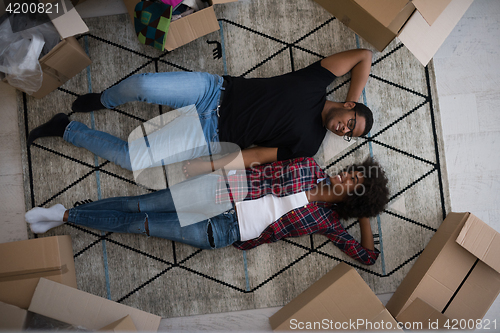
196,167
358,62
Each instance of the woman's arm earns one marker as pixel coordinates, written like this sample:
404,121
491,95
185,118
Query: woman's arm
358,62
239,160
366,233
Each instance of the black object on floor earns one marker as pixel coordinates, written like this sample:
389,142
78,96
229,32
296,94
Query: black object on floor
54,127
87,103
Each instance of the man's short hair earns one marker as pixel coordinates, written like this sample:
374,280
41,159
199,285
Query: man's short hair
365,112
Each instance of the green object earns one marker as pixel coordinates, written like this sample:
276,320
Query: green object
151,21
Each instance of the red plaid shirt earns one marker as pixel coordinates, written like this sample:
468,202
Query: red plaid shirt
284,178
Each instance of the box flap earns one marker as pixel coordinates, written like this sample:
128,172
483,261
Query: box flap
79,308
123,325
12,318
431,9
67,59
69,24
191,27
63,62
482,241
421,312
424,40
473,299
385,11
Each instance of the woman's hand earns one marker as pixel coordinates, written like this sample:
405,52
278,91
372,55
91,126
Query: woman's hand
196,167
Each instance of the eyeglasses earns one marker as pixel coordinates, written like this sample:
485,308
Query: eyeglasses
351,124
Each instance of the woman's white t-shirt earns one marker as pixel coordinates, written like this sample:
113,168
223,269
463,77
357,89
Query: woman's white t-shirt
256,215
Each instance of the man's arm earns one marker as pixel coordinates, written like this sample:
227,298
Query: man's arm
246,158
358,62
366,233
240,160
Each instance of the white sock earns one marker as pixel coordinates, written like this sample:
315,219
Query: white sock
43,227
39,214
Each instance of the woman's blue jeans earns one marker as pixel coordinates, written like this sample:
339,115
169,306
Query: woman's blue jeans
129,215
179,139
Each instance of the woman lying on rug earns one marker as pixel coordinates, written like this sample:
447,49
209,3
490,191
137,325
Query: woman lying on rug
272,201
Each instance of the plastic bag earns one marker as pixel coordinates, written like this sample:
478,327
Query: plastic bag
50,36
40,323
19,53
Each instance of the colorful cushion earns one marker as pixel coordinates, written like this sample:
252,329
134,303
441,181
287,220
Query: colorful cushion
151,21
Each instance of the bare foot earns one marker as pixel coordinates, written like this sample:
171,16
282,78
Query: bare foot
196,167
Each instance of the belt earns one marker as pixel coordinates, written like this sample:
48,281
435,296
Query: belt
222,94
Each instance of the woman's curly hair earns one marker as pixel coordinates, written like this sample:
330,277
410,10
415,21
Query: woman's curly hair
374,197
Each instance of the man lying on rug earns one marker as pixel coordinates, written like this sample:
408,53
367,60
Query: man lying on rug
282,199
285,116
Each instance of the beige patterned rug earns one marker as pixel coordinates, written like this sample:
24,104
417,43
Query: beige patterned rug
258,38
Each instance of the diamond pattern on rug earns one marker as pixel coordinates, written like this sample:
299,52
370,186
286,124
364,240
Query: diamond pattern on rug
172,279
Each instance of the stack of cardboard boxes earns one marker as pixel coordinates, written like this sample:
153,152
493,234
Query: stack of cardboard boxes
422,25
457,274
38,276
451,286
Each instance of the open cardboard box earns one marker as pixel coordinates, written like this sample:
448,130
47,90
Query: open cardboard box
23,263
188,28
81,309
340,300
422,25
67,58
13,318
457,274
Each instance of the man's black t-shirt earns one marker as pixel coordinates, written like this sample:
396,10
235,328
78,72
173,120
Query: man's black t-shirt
282,111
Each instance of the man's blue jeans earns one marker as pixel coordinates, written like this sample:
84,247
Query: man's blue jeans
175,89
129,215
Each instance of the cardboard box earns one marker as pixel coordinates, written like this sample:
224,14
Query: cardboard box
23,263
188,28
340,300
12,318
457,273
67,58
123,325
422,25
78,308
